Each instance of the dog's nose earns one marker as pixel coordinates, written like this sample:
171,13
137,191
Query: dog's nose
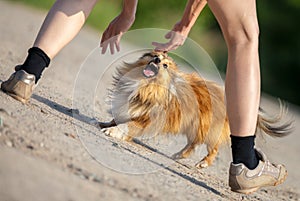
157,60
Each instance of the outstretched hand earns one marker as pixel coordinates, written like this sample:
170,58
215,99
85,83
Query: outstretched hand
177,38
113,33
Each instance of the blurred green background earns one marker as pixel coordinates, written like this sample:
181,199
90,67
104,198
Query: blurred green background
279,36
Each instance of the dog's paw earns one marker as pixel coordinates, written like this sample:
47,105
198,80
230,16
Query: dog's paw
177,156
202,164
115,132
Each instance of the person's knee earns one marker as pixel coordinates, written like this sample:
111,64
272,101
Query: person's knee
244,36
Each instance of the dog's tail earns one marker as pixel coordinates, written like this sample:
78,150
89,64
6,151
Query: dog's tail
274,126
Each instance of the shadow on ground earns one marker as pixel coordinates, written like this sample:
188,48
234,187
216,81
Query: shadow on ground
75,113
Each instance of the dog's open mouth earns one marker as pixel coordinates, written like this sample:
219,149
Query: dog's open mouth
150,70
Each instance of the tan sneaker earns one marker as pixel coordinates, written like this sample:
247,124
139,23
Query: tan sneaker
244,180
20,86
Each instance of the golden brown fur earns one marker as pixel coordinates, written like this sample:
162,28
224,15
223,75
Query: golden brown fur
172,102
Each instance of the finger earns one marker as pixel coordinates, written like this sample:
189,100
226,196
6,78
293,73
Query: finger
104,47
157,49
162,48
117,43
104,36
117,46
107,34
111,45
172,47
101,41
168,35
158,44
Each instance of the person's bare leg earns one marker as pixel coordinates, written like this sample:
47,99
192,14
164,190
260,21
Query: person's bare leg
250,168
238,21
62,24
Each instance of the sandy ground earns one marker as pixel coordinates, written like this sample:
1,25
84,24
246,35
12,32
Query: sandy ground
46,153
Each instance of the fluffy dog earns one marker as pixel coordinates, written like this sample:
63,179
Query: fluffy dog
152,96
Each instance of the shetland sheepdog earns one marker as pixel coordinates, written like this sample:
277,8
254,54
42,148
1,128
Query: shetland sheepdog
151,95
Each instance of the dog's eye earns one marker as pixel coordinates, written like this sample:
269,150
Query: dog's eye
165,65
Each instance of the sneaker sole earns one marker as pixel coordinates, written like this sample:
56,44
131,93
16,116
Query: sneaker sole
281,180
246,191
22,100
252,190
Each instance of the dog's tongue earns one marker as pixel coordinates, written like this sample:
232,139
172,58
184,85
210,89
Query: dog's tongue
148,72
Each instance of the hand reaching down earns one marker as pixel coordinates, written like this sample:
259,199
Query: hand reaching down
177,38
113,33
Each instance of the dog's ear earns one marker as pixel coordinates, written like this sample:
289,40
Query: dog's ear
159,54
148,54
140,62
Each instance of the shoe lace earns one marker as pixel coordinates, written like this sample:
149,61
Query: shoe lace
268,167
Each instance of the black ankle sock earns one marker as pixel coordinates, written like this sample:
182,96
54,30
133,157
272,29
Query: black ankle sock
35,63
243,151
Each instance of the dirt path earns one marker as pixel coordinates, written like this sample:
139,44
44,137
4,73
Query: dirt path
43,158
